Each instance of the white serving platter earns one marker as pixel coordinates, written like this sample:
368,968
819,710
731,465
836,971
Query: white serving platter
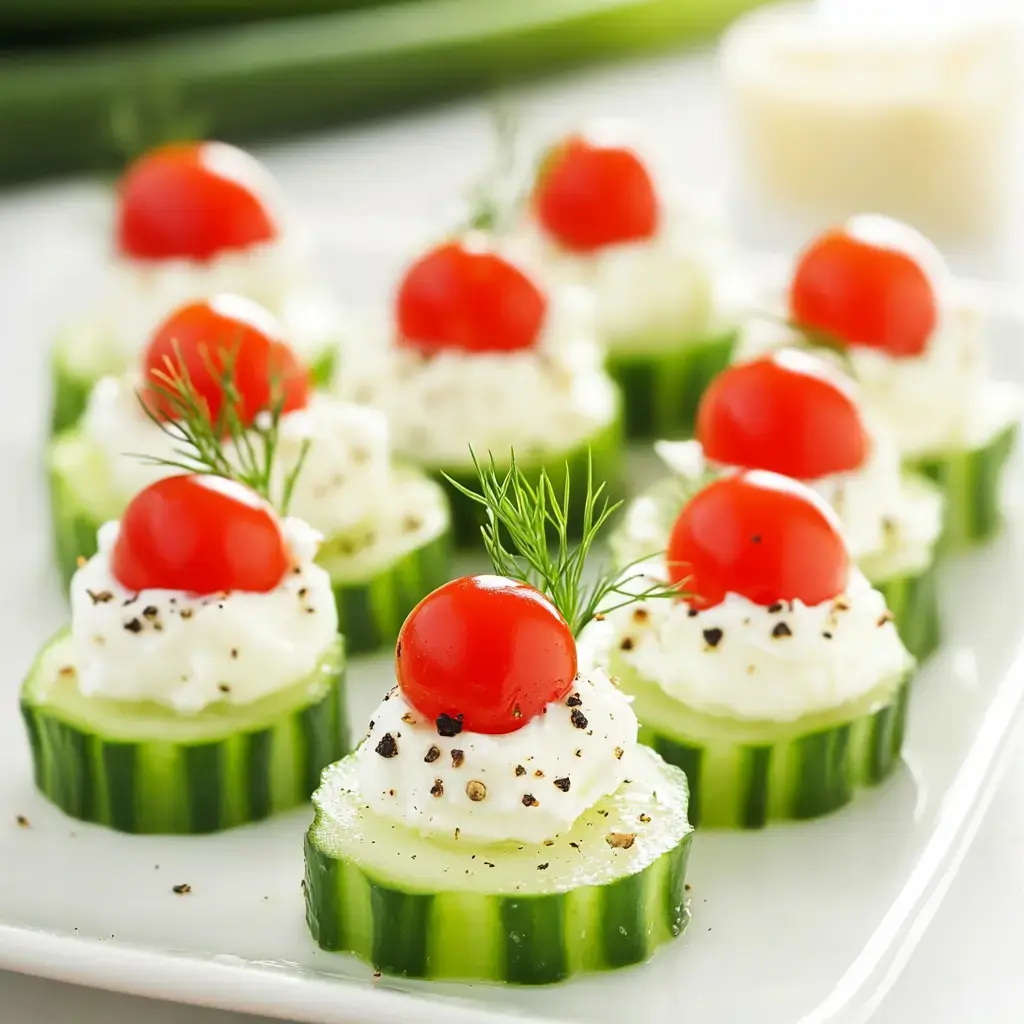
795,924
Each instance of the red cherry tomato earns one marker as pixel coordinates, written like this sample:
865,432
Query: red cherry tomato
865,293
784,413
225,331
490,649
590,196
192,201
761,535
458,298
200,534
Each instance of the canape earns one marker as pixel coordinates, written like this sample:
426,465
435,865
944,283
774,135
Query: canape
192,220
219,383
499,821
793,413
779,683
915,339
200,684
477,352
659,265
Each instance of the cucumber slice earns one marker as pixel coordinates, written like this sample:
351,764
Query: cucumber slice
606,449
972,480
139,767
377,579
743,774
662,388
520,913
913,599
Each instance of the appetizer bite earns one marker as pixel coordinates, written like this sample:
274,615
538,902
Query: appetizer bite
779,682
914,339
656,264
480,354
219,389
499,821
192,220
200,684
793,413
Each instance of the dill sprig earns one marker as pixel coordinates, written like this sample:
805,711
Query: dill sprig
222,445
493,198
525,513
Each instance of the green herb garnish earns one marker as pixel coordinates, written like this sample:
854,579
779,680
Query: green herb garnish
526,513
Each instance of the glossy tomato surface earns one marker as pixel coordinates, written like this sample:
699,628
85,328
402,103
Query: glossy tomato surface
867,284
489,649
590,196
192,201
463,297
225,334
760,535
788,412
202,535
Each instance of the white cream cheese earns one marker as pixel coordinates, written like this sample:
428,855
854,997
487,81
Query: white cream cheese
187,652
776,663
528,785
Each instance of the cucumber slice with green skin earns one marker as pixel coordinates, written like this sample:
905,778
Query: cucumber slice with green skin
376,584
744,774
662,388
972,481
526,914
72,384
139,767
606,451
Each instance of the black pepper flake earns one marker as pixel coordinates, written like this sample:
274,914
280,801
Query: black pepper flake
181,890
626,643
644,818
488,863
573,701
476,790
520,770
579,753
618,753
150,612
529,800
563,784
372,724
640,614
387,746
620,840
687,886
432,754
549,842
234,652
756,539
448,726
186,613
398,649
409,718
575,846
100,597
774,609
456,834
692,613
437,789
376,975
22,821
826,634
223,687
66,670
303,591
578,719
133,626
712,637
542,867
884,618
780,629
411,524
840,604
538,774
458,757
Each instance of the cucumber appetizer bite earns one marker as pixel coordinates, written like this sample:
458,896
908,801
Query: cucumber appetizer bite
915,341
499,821
478,353
192,220
200,684
219,389
779,683
793,413
657,264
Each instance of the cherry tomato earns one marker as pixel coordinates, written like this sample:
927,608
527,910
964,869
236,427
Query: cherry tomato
457,297
200,534
590,196
784,412
192,201
865,285
488,648
761,535
224,332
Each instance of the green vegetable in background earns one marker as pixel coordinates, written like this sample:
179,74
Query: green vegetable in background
78,109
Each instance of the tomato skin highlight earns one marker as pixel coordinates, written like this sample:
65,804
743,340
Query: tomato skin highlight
760,535
454,297
193,201
202,535
493,650
212,335
588,196
864,294
785,413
